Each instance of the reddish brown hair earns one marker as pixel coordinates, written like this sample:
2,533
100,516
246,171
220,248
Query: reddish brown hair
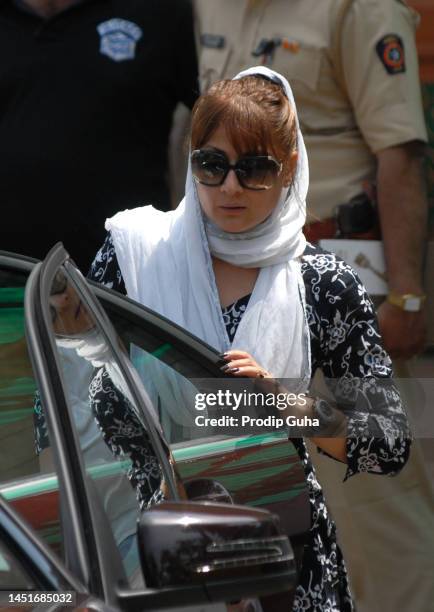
255,112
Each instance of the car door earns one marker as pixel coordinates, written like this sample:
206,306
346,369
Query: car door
70,338
106,436
259,470
79,498
111,458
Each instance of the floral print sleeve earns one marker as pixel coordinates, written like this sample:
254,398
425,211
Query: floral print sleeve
40,425
125,435
346,346
105,268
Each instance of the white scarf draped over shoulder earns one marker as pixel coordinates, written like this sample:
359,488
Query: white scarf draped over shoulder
165,261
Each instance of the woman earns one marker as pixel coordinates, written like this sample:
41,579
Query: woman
232,266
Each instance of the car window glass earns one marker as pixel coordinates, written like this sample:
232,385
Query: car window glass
255,469
113,435
17,385
169,375
12,575
27,475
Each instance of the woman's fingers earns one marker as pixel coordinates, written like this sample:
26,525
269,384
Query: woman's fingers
244,367
235,354
238,363
248,372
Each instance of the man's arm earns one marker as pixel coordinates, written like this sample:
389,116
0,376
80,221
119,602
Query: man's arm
382,82
403,213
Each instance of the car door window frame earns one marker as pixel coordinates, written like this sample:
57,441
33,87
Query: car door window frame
90,553
74,508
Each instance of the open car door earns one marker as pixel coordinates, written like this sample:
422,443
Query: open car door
99,432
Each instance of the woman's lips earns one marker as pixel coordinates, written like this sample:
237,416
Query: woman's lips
233,209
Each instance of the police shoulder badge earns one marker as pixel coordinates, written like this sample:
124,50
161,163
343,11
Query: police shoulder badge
118,39
390,50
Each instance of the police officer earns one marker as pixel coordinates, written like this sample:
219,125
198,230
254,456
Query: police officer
87,94
353,67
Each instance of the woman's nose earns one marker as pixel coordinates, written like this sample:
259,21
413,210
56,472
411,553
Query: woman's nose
231,183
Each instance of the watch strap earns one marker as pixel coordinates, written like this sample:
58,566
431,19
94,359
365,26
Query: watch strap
410,302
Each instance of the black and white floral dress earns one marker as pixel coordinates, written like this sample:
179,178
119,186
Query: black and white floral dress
346,346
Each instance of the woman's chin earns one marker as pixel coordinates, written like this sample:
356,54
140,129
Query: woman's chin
233,227
233,224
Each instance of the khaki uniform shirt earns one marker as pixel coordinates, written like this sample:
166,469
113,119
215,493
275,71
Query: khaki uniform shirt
355,95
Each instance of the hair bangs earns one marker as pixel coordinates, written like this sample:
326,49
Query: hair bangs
247,127
255,114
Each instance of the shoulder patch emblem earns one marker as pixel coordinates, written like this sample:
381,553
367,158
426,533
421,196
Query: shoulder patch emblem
390,50
118,39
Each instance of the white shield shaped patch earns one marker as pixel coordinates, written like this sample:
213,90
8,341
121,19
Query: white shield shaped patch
118,39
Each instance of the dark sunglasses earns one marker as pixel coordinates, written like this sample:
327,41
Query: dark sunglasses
257,172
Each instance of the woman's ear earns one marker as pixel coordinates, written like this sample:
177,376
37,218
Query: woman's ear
289,167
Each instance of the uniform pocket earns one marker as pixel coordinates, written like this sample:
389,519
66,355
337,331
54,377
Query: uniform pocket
300,64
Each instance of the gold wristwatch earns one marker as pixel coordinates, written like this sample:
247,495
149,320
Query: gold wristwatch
409,302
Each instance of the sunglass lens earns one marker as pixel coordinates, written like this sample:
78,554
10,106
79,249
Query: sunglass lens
208,168
257,172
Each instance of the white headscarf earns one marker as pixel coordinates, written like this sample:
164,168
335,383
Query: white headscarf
165,260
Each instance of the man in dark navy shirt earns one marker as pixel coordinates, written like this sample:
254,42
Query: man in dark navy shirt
87,93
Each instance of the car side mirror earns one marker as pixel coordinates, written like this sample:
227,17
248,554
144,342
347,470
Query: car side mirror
231,551
207,489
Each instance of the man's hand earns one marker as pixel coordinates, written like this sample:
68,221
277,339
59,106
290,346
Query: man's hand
403,332
402,206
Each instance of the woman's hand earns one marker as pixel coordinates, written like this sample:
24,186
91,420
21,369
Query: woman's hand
241,364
